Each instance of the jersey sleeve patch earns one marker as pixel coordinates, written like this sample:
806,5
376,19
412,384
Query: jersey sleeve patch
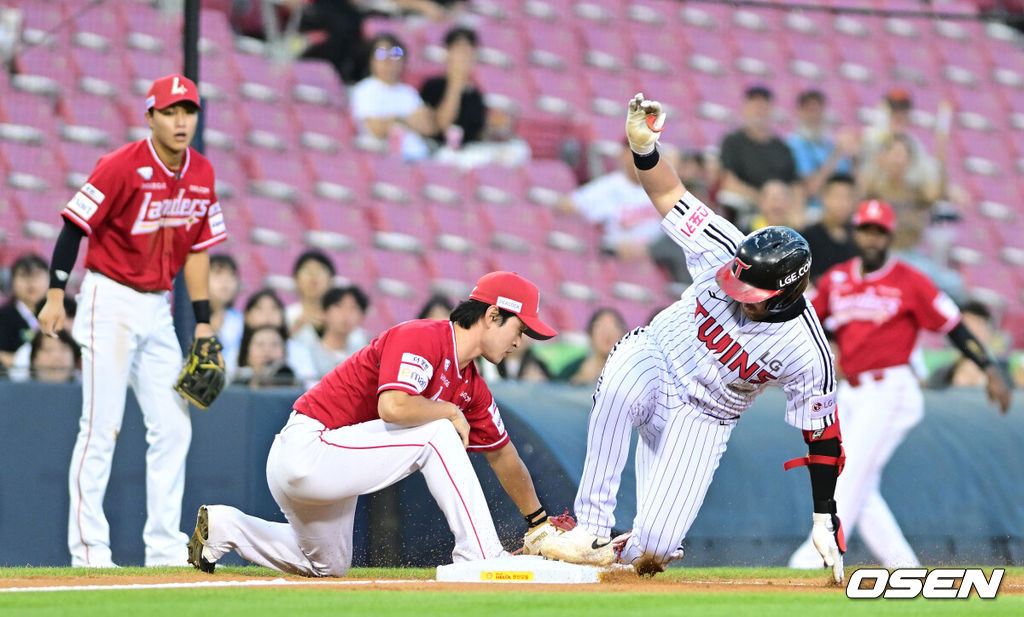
82,206
415,371
215,218
496,416
93,193
822,406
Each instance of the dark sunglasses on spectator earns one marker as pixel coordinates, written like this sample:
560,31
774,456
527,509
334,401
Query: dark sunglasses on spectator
383,53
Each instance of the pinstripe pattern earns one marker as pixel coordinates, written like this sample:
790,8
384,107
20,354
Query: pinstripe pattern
683,382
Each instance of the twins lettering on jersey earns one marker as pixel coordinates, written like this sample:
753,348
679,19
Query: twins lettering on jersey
730,353
154,214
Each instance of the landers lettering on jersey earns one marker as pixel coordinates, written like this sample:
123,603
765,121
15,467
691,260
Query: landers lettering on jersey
874,305
730,353
154,214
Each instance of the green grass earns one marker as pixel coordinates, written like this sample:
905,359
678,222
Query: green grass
507,601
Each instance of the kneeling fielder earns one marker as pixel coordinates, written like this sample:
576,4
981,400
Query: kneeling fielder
409,401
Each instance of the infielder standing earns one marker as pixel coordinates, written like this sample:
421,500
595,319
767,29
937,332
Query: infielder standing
411,400
149,210
865,300
684,380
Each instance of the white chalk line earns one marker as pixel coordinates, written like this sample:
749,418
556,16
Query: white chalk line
277,582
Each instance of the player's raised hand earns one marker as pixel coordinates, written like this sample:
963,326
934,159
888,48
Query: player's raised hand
51,317
827,535
996,387
644,122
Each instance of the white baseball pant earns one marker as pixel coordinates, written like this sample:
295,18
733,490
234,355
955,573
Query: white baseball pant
677,453
875,416
316,476
127,337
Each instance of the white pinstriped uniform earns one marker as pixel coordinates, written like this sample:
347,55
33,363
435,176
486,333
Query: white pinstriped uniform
683,382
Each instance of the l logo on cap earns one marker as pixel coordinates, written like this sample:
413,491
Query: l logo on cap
178,88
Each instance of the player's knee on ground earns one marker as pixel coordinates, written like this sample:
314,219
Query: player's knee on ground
328,564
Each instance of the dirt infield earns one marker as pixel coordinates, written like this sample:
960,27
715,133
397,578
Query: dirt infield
615,582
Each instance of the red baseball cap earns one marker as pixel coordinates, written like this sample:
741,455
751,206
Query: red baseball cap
875,212
172,89
509,291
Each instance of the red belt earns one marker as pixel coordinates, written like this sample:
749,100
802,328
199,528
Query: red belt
856,380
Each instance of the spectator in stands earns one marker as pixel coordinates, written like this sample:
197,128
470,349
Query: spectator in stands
977,318
264,308
313,271
387,110
831,238
817,155
695,173
226,320
333,30
20,368
344,311
751,156
605,328
262,359
892,175
29,280
631,229
776,206
453,98
437,306
471,133
52,359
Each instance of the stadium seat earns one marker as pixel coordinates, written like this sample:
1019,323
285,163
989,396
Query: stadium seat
32,167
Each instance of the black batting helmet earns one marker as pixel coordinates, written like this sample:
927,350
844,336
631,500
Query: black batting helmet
772,264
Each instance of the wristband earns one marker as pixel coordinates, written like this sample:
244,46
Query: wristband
825,506
643,162
201,309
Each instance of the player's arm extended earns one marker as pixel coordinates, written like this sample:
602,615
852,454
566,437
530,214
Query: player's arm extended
997,388
514,478
197,280
644,122
65,252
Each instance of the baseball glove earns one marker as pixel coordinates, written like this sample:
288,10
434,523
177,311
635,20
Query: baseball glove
202,378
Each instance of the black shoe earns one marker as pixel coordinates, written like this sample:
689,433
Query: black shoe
198,540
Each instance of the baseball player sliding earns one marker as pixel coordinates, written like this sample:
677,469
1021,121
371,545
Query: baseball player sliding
684,380
411,400
869,299
149,210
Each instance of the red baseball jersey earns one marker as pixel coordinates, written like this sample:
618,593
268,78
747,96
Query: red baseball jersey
143,219
417,357
877,317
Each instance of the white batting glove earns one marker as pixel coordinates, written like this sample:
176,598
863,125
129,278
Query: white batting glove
827,537
644,122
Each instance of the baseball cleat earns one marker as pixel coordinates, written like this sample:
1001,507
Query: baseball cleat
198,540
579,546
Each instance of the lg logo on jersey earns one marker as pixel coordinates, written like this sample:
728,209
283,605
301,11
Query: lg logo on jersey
939,583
